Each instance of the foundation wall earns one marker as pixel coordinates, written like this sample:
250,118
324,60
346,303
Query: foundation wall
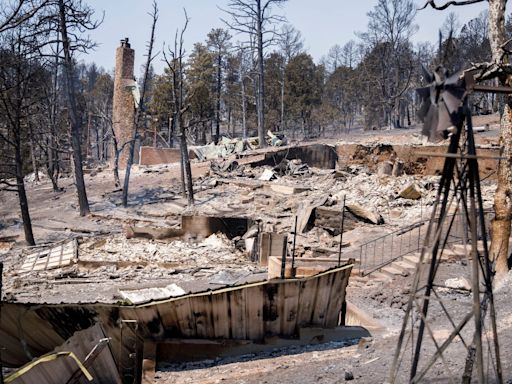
315,155
414,157
156,156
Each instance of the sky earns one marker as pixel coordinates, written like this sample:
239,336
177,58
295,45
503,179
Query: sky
323,23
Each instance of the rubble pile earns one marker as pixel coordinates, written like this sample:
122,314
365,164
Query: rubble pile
107,265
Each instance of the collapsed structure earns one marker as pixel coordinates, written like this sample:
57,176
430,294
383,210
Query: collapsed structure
262,260
267,252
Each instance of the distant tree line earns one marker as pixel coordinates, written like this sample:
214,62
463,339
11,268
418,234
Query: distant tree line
367,83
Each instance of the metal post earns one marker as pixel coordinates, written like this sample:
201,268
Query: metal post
341,229
391,253
419,237
361,261
1,365
283,261
293,251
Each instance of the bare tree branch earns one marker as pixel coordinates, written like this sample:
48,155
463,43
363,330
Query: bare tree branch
448,4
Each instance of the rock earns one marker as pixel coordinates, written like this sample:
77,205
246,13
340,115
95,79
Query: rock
365,214
212,183
251,232
364,343
395,213
349,376
385,168
411,192
458,283
398,168
267,175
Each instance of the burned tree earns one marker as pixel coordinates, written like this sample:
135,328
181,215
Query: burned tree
174,60
73,18
255,18
388,63
15,13
218,42
20,77
140,104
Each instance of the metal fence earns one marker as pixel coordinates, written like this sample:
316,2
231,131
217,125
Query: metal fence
382,251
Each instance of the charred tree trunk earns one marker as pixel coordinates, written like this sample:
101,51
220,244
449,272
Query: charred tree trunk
244,110
18,165
52,154
188,169
282,126
217,101
503,197
140,108
75,128
261,78
22,196
117,153
33,153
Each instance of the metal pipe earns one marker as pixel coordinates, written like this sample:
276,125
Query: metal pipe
293,251
341,229
361,261
1,365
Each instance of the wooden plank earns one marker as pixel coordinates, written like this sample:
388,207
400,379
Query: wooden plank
185,317
264,248
254,313
307,297
149,322
322,300
337,296
221,321
236,310
169,318
290,305
202,312
272,310
102,367
287,189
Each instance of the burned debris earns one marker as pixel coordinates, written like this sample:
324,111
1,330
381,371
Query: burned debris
282,213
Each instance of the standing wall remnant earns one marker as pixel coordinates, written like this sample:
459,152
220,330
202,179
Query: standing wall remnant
123,115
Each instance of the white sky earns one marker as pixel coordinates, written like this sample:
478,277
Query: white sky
323,23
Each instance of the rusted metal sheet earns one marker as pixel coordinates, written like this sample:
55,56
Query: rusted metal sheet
247,312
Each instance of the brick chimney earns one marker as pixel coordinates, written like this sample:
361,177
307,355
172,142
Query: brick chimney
123,111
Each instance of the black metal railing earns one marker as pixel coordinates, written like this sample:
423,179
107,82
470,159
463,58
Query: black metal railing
382,251
379,252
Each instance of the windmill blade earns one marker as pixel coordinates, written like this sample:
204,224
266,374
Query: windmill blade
453,79
434,94
424,92
453,99
441,102
430,122
423,111
444,120
429,77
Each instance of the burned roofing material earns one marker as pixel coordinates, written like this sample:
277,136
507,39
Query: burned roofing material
441,102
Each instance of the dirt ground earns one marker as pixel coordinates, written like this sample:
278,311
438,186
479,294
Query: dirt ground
156,189
369,360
